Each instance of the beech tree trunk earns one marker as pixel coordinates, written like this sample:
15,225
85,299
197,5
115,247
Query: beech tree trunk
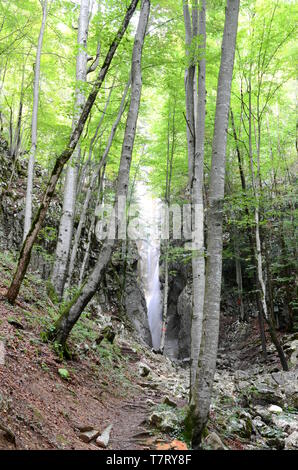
239,276
70,315
30,175
63,246
170,158
197,182
201,396
64,157
189,89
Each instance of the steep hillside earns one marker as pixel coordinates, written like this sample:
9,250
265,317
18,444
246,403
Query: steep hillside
48,403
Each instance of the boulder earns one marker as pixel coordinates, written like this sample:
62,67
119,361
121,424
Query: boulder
258,425
275,409
143,369
261,394
291,442
291,392
177,341
294,353
165,421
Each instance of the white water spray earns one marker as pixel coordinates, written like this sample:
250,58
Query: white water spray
149,251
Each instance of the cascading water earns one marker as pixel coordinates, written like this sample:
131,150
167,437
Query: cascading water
149,251
153,297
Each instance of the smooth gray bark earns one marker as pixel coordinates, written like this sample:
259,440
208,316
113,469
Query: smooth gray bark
72,313
239,276
189,89
70,189
197,182
170,158
201,396
30,175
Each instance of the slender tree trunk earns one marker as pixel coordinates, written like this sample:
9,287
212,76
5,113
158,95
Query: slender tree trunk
165,298
3,76
59,272
198,260
26,249
201,396
17,144
189,89
29,190
14,151
72,312
170,158
239,277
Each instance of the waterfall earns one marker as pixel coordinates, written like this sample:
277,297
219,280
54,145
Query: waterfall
153,297
149,252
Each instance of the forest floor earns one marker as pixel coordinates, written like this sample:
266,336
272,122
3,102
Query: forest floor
47,402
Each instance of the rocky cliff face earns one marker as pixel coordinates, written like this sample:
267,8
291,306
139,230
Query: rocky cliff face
136,309
177,341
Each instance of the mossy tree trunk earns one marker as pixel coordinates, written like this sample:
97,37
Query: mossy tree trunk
202,390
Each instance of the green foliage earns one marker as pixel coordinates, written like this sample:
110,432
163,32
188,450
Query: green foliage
64,374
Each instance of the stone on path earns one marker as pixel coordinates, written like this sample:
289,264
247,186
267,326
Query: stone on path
275,409
103,439
165,421
88,436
